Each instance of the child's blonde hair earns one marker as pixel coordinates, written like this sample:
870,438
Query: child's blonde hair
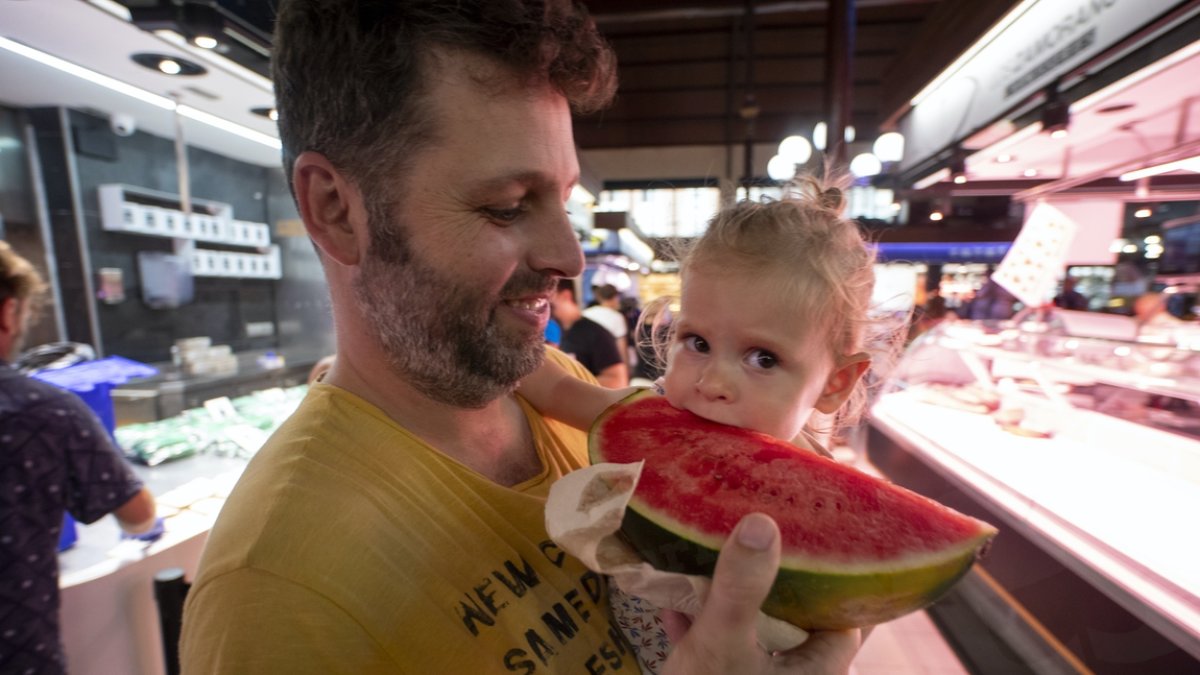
825,267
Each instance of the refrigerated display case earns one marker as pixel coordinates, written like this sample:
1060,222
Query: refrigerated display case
1085,452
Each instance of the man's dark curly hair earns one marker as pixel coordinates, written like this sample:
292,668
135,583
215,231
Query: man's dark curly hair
350,74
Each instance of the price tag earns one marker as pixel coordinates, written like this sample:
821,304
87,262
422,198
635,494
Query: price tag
221,408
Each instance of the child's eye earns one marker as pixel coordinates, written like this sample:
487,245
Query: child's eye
761,358
695,343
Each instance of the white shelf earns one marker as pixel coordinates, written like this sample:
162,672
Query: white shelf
148,212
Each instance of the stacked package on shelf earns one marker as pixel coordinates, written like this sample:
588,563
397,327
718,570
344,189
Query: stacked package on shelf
198,356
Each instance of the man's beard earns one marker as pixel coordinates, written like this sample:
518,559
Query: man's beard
439,336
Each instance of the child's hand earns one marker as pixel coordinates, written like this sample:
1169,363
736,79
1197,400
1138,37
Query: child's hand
721,640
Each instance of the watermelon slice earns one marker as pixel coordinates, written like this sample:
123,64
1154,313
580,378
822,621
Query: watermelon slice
857,550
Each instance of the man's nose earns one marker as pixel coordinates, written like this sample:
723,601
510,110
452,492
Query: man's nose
555,248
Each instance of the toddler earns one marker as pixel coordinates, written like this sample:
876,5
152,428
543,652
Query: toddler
771,336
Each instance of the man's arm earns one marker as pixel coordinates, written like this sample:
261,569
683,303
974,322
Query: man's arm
137,515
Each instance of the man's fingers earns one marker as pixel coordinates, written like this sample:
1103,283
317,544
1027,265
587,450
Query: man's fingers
745,571
825,651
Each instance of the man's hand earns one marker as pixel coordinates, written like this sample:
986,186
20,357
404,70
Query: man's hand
721,640
153,534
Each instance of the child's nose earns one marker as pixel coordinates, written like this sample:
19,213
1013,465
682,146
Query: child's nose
714,383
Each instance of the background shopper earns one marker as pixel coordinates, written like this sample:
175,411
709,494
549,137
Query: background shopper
55,457
588,342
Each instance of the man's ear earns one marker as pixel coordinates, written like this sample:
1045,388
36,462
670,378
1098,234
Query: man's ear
10,316
331,207
841,382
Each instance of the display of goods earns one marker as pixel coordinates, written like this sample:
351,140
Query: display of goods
857,550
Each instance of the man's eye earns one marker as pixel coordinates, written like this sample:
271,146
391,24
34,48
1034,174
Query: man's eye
504,216
695,343
761,358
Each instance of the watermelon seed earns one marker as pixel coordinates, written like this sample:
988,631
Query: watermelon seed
818,505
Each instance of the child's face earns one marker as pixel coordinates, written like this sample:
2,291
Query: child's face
741,356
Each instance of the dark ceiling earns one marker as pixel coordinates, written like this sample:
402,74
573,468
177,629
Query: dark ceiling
684,77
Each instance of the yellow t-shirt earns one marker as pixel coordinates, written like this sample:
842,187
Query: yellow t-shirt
350,546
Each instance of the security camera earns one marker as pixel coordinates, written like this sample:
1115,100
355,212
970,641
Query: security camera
122,124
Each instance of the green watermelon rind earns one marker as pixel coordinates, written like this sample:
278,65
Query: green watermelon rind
820,595
813,600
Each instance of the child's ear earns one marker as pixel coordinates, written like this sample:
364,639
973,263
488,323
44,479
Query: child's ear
841,382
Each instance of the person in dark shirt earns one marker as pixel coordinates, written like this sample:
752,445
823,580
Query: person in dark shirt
55,457
1070,298
587,341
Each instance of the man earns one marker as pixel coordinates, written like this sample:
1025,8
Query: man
55,456
1070,298
394,523
585,340
607,313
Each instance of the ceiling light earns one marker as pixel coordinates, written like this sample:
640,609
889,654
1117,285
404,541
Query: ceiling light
1129,248
960,179
849,134
137,93
1004,158
935,177
1189,164
936,215
269,113
820,132
796,149
1142,213
780,168
201,22
168,63
865,165
1152,239
889,147
1056,113
1029,173
205,42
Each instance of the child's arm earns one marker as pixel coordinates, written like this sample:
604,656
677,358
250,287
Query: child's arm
569,399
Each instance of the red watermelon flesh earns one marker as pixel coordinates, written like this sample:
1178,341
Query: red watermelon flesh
856,550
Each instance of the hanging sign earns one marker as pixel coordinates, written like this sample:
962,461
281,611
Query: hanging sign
1032,266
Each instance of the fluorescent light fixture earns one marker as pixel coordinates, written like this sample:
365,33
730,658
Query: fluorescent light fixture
138,93
971,52
935,177
231,127
1189,164
1128,81
85,74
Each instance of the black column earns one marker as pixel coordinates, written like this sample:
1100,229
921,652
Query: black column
59,179
839,77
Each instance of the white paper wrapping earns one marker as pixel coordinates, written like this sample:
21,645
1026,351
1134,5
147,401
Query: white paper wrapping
583,514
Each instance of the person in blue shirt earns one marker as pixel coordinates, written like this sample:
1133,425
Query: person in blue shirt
55,457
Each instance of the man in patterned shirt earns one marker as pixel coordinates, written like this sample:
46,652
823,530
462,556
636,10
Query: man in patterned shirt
55,456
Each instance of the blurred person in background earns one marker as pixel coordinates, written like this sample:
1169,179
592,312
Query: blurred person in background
55,457
1070,298
587,341
607,313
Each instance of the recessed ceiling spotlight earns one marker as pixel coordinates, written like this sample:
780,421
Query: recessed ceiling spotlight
1004,158
166,63
1029,173
269,113
1143,213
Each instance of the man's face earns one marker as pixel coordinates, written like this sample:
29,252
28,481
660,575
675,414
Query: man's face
459,273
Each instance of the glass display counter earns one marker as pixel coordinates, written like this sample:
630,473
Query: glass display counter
1085,452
